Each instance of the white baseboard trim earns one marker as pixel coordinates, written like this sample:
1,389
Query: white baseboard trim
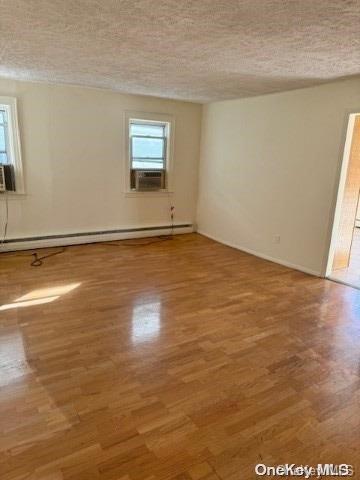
91,237
263,256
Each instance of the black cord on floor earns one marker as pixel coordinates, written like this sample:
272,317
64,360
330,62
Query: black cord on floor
38,261
121,243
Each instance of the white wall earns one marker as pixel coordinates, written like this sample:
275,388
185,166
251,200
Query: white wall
270,165
73,153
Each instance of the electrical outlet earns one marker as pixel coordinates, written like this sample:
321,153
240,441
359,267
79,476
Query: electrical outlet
277,239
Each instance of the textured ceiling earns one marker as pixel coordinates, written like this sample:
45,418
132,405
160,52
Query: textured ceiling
199,50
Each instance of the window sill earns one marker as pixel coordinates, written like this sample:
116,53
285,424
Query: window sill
156,193
12,195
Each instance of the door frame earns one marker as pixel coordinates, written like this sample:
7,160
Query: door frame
340,193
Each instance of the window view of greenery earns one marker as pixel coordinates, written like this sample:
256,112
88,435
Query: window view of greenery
148,146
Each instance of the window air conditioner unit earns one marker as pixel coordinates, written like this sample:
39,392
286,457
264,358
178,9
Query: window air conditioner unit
7,178
149,180
2,179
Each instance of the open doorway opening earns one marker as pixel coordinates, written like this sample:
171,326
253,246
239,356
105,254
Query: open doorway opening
344,257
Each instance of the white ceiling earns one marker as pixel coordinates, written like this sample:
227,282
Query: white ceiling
198,50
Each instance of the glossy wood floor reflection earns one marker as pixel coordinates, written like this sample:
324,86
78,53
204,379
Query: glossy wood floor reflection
182,360
351,274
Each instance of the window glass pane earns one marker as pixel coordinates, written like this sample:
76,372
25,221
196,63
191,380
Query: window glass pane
3,158
147,164
2,116
147,147
2,139
147,130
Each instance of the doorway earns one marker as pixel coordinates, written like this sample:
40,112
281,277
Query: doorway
344,257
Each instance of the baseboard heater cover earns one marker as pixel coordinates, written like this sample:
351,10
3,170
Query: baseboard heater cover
97,236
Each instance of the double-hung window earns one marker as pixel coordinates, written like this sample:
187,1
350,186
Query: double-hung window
148,145
10,151
149,151
4,136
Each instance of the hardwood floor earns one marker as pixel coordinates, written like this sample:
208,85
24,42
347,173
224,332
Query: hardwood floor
181,360
351,274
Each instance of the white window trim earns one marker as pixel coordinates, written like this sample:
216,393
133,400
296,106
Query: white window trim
148,117
10,105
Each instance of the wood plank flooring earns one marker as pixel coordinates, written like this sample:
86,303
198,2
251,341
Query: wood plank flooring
351,274
183,360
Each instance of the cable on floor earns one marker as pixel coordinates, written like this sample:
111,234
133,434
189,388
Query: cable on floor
159,238
38,261
121,243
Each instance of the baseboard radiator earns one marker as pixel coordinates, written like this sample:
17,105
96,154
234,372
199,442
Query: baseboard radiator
46,241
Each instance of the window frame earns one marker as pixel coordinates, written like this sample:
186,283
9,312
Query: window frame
169,133
9,104
164,138
5,125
